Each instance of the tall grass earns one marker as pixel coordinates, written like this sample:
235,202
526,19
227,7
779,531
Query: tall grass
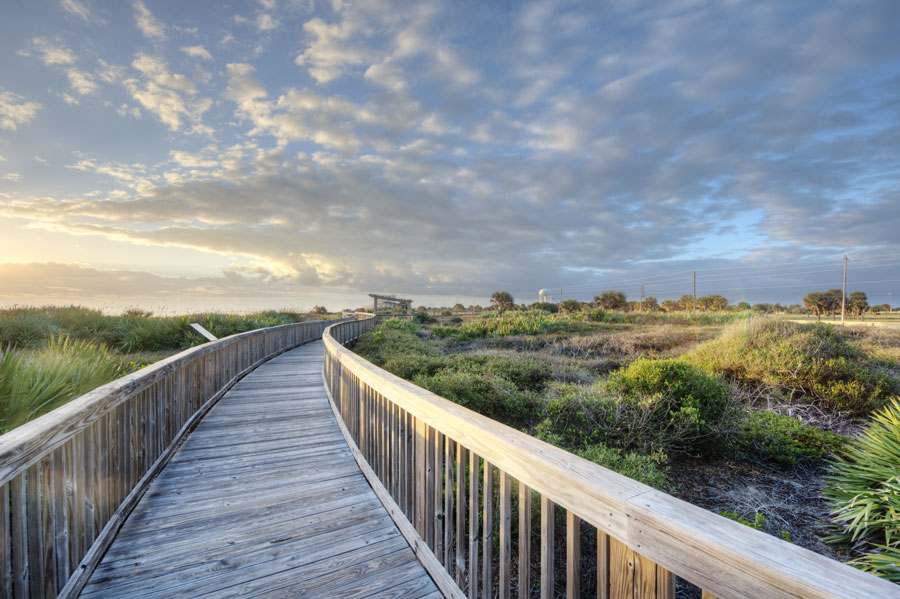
36,382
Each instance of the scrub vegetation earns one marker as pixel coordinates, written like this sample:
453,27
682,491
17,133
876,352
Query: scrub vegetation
746,414
50,355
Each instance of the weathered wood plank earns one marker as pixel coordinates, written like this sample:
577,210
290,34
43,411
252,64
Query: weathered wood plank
548,546
268,522
573,555
487,532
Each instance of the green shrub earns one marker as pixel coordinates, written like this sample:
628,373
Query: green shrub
524,373
493,396
25,328
687,393
808,360
581,416
863,489
423,317
784,439
642,468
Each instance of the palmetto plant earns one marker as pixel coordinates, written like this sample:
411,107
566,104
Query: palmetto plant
864,491
36,382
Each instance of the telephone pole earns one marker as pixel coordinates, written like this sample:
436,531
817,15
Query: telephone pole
844,290
891,300
695,292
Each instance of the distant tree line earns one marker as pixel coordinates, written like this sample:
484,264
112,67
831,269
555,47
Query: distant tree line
817,302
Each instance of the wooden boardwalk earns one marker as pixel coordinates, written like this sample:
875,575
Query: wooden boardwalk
263,500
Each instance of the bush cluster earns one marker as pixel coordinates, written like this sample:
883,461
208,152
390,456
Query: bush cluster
782,439
651,405
800,360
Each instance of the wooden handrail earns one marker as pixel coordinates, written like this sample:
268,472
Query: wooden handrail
432,460
69,478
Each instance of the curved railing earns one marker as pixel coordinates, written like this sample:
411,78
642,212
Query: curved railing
69,478
465,491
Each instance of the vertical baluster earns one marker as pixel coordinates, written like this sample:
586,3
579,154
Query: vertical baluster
505,528
473,525
19,536
621,570
421,474
459,557
602,565
429,487
73,503
487,532
438,542
548,545
448,505
524,573
573,555
60,516
644,577
6,549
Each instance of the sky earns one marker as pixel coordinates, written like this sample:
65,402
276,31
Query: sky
184,156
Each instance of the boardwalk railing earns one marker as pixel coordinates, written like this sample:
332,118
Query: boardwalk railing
69,478
490,510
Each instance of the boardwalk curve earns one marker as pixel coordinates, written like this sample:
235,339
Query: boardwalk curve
263,500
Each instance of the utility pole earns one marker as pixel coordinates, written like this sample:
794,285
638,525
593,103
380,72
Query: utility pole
642,298
844,290
891,300
695,292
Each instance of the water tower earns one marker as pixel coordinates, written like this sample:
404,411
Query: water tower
544,296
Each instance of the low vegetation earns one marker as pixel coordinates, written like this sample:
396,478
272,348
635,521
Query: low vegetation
663,397
864,492
50,355
801,361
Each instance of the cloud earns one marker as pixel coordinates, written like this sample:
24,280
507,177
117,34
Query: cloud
49,281
14,111
161,91
79,9
187,159
155,69
149,26
265,22
330,51
49,52
81,81
197,52
12,177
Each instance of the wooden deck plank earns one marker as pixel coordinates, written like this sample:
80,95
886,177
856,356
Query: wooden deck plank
264,500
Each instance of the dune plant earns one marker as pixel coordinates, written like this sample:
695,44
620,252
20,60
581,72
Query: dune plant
36,382
812,361
863,489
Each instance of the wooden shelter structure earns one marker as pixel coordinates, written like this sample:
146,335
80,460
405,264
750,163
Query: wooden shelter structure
390,300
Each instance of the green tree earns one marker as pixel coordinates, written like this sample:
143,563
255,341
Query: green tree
459,307
569,306
817,303
320,310
650,304
743,306
859,303
713,303
669,306
502,300
686,302
611,300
